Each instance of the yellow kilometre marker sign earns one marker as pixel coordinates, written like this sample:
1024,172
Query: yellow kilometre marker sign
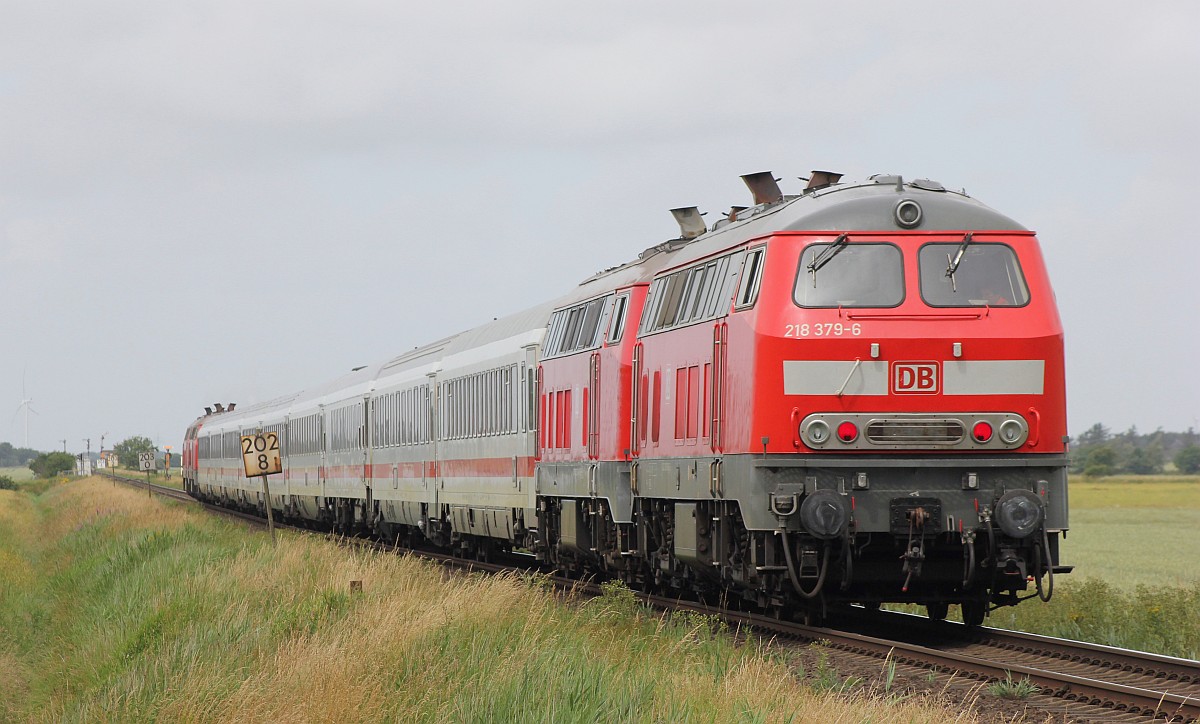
260,454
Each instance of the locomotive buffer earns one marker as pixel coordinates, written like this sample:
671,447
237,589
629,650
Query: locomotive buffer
260,456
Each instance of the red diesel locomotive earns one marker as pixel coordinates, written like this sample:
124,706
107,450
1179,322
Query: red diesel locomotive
854,394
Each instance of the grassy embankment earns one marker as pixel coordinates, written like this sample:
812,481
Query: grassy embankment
116,607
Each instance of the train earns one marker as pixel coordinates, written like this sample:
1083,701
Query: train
847,396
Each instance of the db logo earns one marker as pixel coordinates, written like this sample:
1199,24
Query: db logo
915,378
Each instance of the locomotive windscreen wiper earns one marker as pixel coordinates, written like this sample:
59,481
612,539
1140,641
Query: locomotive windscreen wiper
952,264
827,255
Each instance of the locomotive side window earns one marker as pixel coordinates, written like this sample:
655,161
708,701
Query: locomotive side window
751,279
854,275
690,295
618,319
984,275
576,328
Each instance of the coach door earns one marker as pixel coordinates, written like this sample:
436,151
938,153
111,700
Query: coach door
532,383
364,441
322,459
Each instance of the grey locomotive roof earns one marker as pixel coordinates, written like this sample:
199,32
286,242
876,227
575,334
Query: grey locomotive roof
865,206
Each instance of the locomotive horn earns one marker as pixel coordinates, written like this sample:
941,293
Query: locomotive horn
764,187
690,223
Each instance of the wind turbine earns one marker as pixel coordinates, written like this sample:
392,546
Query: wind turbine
26,405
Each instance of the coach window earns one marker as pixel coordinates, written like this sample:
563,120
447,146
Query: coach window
850,275
985,275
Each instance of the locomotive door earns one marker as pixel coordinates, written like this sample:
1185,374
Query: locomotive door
637,394
716,391
592,421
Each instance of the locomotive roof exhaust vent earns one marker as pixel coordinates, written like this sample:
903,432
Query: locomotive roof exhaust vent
231,406
219,407
764,186
821,179
691,223
207,411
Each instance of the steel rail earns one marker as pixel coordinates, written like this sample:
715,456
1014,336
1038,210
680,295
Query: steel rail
1155,703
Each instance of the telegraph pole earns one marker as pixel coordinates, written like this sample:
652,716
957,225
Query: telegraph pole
88,464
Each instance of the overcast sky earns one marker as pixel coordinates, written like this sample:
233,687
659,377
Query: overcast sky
227,201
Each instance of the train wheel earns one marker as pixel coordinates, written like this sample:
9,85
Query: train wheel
973,612
937,610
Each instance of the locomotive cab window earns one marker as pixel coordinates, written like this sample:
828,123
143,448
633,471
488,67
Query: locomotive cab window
848,274
966,274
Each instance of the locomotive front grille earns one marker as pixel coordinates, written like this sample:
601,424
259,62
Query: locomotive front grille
915,432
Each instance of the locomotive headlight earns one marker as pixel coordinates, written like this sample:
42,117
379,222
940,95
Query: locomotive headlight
817,432
1020,513
823,514
1011,431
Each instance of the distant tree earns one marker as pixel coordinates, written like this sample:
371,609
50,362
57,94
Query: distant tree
7,483
1096,435
1101,460
1146,460
13,457
128,450
47,465
1187,460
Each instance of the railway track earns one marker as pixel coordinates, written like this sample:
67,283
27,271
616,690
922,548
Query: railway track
1076,680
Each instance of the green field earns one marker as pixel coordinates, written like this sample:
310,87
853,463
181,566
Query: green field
1131,531
18,474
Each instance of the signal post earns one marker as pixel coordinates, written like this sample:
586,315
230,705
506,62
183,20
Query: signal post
260,456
